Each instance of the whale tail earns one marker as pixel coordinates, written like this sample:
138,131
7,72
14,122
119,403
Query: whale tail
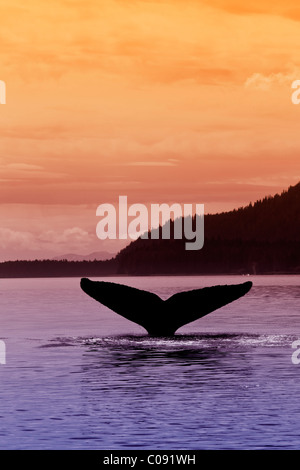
162,317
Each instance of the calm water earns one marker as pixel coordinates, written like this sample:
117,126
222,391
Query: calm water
78,376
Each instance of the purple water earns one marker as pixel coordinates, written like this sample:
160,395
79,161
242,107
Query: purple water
78,376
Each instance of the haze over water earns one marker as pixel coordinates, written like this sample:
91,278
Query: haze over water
79,376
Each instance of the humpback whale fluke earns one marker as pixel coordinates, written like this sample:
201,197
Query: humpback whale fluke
162,317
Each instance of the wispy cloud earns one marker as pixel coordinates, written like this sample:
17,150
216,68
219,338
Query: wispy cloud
287,8
26,171
70,237
171,162
265,82
23,166
75,238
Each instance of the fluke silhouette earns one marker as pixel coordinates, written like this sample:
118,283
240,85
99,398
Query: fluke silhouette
162,317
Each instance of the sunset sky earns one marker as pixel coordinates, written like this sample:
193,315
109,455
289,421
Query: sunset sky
162,101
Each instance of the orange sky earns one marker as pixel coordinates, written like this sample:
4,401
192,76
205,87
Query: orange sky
162,101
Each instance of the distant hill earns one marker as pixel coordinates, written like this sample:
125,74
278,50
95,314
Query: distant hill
96,255
263,237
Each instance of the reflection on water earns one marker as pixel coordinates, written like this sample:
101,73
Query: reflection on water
234,387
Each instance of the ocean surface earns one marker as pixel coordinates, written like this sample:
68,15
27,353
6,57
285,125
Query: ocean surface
78,376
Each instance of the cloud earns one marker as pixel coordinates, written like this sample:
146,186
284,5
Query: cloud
170,162
12,239
24,166
26,171
159,41
71,237
260,81
14,243
289,8
36,131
